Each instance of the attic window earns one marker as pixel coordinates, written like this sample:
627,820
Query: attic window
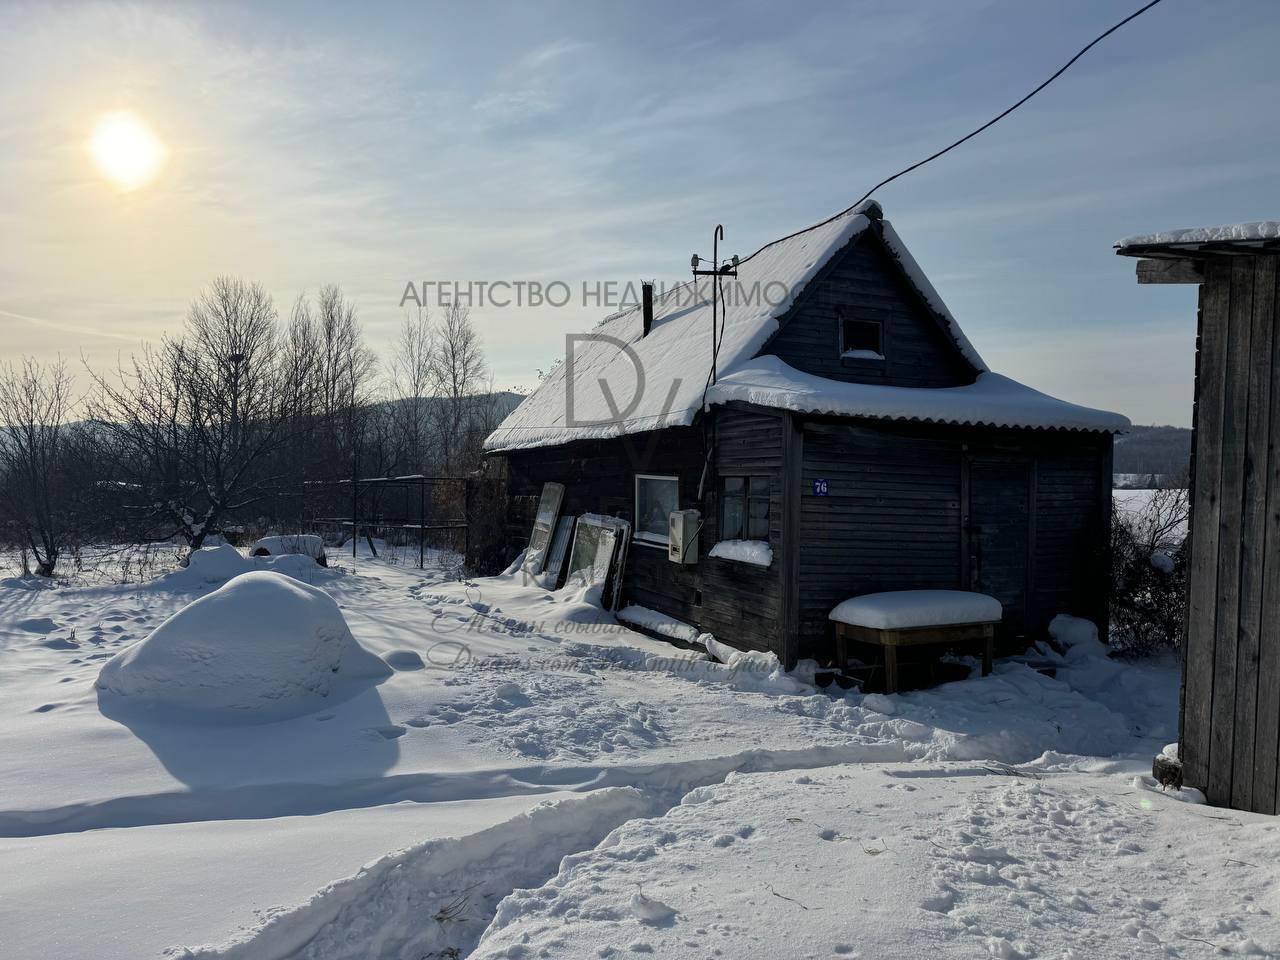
861,339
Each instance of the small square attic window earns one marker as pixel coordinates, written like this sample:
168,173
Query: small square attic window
861,339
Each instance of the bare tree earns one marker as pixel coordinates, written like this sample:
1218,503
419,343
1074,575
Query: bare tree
191,421
459,375
34,445
410,387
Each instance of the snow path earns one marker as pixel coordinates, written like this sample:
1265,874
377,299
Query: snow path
131,894
942,860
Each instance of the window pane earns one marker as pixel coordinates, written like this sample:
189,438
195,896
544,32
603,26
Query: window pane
734,485
655,500
759,527
733,519
759,486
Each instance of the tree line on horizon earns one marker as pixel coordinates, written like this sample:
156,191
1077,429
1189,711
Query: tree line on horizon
223,423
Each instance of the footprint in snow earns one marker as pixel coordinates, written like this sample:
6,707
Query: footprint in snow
37,625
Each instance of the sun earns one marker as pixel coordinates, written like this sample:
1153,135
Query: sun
125,150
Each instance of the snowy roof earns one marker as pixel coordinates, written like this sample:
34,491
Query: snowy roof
1260,233
675,357
991,400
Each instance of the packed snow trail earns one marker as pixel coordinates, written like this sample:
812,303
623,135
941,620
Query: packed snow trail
921,860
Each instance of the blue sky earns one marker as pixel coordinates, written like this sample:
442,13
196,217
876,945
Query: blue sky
374,145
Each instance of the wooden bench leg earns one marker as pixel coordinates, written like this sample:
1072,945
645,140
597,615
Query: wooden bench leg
988,654
842,650
891,669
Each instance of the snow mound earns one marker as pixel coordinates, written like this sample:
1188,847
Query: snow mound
309,545
904,609
1079,637
262,647
212,564
639,616
219,564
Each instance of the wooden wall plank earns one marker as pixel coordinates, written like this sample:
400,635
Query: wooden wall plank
1253,532
1235,430
1266,798
864,282
1203,569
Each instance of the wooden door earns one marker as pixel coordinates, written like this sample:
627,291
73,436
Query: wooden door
999,536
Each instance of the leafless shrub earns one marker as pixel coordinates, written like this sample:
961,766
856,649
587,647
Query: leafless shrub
1149,573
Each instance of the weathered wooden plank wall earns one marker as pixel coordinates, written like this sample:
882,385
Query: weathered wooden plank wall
1231,695
866,284
900,496
742,601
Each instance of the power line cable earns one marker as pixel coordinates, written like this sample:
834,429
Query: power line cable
968,136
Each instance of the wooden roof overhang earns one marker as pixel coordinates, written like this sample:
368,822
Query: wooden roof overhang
1183,262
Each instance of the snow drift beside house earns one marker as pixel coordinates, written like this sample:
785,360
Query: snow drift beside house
260,648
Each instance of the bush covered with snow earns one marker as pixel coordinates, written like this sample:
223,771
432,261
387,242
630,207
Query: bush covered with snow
262,647
1148,573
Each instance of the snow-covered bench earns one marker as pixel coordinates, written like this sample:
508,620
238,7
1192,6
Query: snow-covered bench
905,618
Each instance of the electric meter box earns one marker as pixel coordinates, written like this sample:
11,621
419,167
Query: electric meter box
683,536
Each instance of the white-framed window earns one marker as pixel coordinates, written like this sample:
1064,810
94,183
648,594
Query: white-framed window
656,498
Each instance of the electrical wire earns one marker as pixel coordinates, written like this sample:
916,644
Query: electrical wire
968,136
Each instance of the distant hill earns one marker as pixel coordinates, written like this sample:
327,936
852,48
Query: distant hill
1159,450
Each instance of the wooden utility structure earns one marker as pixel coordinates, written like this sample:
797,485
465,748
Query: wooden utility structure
851,433
979,635
1230,713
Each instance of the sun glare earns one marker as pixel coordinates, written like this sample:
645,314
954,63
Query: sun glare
125,150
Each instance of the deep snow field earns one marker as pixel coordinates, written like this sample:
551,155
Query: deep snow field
486,769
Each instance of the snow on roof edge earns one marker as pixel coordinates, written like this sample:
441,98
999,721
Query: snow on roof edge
992,400
1255,231
931,296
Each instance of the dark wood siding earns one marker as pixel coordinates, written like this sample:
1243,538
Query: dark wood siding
894,518
890,520
905,503
864,283
742,602
1072,530
1231,695
1001,534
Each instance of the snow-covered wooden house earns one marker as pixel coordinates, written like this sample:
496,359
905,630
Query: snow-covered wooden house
849,440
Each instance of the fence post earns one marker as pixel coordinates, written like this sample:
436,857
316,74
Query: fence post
422,522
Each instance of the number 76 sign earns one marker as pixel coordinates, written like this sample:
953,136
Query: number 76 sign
819,488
